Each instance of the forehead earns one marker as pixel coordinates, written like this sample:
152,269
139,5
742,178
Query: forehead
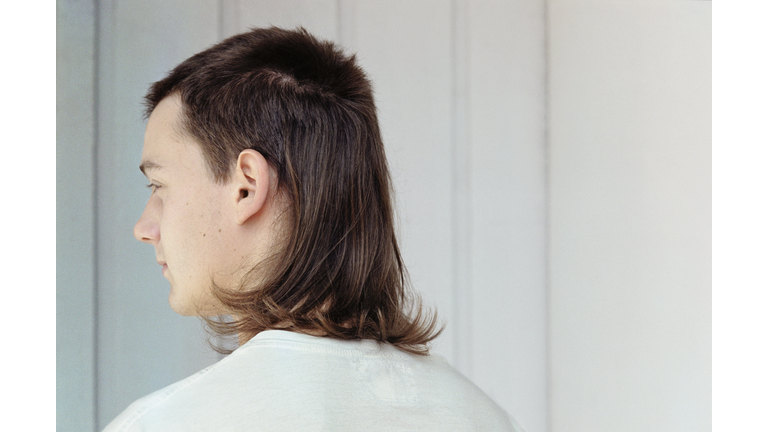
163,124
165,146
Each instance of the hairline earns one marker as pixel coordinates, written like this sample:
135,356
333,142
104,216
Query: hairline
182,132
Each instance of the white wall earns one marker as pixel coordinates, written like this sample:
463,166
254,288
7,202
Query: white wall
630,215
551,163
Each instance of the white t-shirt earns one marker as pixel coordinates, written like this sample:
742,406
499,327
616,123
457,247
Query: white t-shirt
283,381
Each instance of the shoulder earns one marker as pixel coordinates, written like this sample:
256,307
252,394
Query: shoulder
150,412
461,402
249,377
287,381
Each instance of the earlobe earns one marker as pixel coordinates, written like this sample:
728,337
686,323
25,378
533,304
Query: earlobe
252,181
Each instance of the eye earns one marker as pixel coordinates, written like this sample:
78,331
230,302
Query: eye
153,187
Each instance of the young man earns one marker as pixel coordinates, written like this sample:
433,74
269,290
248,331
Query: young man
270,203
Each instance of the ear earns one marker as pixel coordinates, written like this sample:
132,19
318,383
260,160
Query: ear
251,178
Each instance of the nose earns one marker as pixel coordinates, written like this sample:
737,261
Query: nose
147,228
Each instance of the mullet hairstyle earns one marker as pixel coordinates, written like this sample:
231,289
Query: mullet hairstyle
309,110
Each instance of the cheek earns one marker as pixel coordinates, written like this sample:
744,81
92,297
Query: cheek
179,228
202,226
194,230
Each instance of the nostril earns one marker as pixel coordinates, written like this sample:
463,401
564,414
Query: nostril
142,231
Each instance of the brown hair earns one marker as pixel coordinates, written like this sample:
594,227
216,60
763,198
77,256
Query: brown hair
309,110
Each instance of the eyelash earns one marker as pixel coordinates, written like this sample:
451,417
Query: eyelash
153,187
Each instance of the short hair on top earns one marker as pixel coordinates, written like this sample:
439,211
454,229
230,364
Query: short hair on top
308,108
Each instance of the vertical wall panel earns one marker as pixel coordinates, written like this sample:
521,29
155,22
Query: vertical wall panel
506,73
406,49
630,111
75,323
461,199
410,51
142,345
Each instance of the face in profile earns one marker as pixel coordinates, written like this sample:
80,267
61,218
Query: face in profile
188,217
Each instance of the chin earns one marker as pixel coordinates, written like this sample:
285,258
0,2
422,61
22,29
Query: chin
189,309
181,307
184,311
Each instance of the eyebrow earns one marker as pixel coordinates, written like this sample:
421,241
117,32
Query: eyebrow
148,165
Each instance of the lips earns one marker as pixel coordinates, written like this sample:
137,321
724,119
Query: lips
163,264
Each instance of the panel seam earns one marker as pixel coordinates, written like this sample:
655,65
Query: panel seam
95,206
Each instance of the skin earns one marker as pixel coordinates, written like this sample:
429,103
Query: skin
203,231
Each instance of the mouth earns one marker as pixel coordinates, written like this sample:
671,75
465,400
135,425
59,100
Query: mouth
163,264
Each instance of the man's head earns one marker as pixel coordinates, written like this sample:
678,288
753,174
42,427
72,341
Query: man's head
281,215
